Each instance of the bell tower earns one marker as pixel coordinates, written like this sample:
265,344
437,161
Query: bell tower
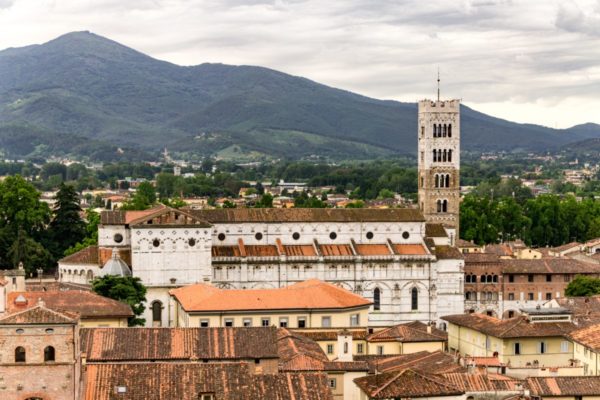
439,162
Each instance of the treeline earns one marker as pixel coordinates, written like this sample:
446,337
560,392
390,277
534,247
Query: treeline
547,220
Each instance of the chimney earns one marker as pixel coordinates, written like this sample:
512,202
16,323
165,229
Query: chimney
429,328
344,343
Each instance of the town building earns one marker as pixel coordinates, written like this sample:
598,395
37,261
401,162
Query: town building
383,255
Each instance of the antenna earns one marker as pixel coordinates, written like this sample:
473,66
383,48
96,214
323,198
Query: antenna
438,80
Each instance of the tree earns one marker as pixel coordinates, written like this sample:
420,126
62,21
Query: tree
146,191
126,289
583,286
66,228
32,254
21,208
91,236
266,201
144,198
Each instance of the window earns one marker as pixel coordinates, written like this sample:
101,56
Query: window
488,343
332,235
203,323
229,322
542,348
567,278
20,355
511,314
329,349
156,313
265,321
332,383
564,346
414,299
369,235
296,236
511,296
283,322
191,242
355,320
346,348
359,348
49,354
376,299
511,278
118,238
49,331
405,235
247,322
529,296
517,348
301,322
221,236
379,350
326,322
258,236
204,396
548,296
548,278
422,130
530,278
156,243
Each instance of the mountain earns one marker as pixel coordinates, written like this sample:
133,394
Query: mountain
85,94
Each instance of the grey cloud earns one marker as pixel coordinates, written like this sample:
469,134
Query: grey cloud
6,3
570,17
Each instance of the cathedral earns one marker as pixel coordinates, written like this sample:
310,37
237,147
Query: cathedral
403,260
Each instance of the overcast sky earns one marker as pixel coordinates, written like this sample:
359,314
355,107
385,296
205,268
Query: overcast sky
529,61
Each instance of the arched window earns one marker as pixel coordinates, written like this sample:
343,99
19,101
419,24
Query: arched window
449,130
49,354
90,276
434,155
468,278
376,299
445,206
437,180
444,156
483,279
495,278
439,206
445,131
474,279
434,130
414,299
447,180
345,347
156,313
449,155
20,355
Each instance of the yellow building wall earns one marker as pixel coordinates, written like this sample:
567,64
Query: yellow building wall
588,358
103,323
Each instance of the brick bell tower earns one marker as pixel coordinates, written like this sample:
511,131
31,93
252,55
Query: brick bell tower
439,162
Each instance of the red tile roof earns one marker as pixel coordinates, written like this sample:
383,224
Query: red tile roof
226,381
405,384
336,250
563,386
487,258
588,336
308,295
261,251
84,303
372,249
226,251
549,266
510,328
409,249
448,253
434,363
410,332
299,250
470,382
435,230
38,315
156,344
89,255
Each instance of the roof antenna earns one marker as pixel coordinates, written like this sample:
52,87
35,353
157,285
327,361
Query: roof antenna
438,80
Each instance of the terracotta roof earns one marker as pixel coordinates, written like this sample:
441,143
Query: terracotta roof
372,249
299,353
510,328
466,244
588,336
336,250
548,266
160,215
405,384
89,255
277,215
261,251
436,362
562,386
484,361
448,253
409,249
307,295
498,249
163,344
470,382
226,251
299,250
226,381
435,230
411,332
86,304
585,310
565,247
328,334
472,258
38,315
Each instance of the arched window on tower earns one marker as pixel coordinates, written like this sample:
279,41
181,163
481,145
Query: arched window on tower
447,183
437,180
20,355
439,206
49,354
156,313
449,155
445,206
444,132
376,299
414,299
445,156
434,130
449,130
434,155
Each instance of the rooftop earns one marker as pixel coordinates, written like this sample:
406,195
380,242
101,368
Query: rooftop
170,344
38,315
563,386
548,266
410,332
588,336
435,230
307,295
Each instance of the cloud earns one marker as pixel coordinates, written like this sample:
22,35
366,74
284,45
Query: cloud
6,3
490,52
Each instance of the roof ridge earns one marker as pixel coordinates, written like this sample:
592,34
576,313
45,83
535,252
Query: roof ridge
31,309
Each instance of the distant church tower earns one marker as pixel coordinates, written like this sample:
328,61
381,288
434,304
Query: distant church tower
439,162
